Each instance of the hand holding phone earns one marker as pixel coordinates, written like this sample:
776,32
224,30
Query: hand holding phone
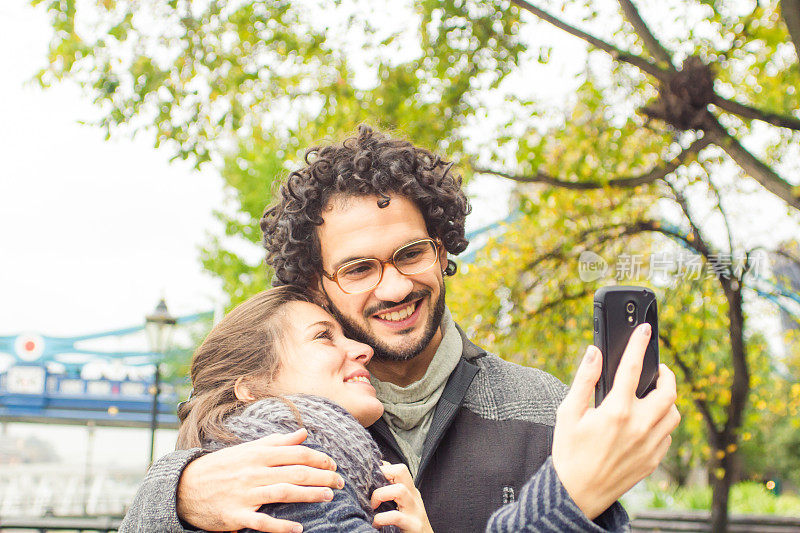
599,453
617,312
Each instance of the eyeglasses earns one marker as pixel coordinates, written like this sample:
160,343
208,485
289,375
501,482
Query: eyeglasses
361,275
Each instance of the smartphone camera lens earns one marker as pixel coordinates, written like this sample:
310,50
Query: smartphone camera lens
630,311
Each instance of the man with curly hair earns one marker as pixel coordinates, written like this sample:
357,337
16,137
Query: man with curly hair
367,225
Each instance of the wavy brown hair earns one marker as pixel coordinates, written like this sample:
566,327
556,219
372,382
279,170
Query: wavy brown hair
244,345
371,163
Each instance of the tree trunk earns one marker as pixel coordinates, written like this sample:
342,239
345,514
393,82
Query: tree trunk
721,478
725,443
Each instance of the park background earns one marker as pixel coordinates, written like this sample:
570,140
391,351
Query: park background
571,151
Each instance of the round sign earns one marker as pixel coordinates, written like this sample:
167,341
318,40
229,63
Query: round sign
29,346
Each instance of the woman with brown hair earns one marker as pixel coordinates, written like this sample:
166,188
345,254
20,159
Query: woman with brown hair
277,363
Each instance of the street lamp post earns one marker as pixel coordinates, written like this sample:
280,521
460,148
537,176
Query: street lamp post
158,327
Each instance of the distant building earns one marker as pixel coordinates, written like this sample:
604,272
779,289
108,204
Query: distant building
25,450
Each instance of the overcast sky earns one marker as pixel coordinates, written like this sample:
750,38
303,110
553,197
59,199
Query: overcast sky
92,232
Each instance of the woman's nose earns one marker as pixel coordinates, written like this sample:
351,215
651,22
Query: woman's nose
360,352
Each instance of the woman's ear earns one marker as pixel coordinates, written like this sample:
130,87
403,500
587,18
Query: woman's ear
242,391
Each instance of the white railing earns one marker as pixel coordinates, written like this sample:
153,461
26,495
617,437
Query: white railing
66,490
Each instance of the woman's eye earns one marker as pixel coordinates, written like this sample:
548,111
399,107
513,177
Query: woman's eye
326,334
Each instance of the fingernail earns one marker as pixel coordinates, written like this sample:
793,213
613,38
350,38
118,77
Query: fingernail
328,495
591,353
332,464
646,329
297,529
340,482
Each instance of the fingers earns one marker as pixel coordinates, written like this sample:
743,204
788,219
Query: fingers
296,455
659,440
660,452
283,439
296,475
397,492
264,522
666,379
398,473
288,493
630,366
663,397
581,394
403,521
666,424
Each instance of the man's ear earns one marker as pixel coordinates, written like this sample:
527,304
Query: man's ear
317,292
316,286
442,257
242,391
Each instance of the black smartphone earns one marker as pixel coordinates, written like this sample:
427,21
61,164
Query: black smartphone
617,311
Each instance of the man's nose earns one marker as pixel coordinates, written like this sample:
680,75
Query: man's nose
393,286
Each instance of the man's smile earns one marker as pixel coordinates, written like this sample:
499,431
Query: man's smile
400,317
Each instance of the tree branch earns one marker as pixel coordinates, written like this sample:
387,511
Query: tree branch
641,63
566,298
748,112
701,405
725,219
751,164
558,251
653,45
697,240
691,240
790,11
617,231
655,174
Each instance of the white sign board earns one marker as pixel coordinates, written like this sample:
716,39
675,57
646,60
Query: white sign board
25,380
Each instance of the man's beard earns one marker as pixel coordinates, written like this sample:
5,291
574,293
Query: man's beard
381,350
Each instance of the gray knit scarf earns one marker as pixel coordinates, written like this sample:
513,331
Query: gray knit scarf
330,428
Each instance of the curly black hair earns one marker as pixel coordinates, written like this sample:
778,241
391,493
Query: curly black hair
371,163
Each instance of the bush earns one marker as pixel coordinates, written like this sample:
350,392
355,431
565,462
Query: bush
746,498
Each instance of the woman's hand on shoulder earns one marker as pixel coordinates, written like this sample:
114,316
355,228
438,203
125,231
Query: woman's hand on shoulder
410,516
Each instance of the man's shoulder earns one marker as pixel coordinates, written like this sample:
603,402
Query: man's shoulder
502,390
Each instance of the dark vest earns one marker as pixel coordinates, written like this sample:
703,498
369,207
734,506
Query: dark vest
470,465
